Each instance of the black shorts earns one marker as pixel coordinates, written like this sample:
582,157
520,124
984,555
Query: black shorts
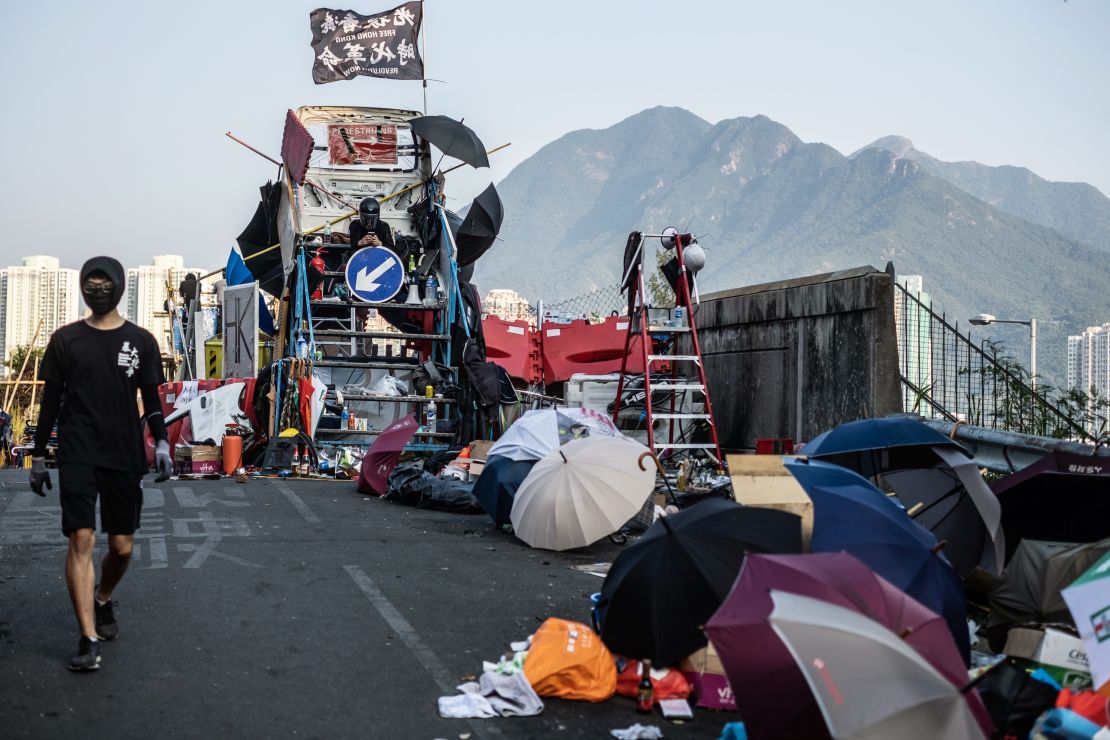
121,498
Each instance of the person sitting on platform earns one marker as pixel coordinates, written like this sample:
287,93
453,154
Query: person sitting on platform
369,230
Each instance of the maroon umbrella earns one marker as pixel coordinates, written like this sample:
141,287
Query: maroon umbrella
382,456
1062,497
771,693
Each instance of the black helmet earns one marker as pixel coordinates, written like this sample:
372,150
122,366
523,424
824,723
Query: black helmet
369,211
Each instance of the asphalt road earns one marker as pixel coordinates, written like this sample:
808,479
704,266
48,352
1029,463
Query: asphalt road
287,608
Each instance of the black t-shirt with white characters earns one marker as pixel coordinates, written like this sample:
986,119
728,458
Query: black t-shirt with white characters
101,372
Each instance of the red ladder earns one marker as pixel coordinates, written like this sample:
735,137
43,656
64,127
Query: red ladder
654,355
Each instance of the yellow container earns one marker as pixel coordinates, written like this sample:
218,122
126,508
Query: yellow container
214,357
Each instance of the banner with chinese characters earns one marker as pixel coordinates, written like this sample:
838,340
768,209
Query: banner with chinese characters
346,44
362,144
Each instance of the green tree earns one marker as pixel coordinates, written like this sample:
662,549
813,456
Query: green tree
16,357
1045,410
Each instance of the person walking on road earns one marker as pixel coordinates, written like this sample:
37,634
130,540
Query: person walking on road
92,370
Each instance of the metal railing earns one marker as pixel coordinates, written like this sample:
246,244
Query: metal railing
947,375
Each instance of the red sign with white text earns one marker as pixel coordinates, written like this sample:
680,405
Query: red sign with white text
357,144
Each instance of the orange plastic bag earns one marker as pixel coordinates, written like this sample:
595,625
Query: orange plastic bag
665,684
568,660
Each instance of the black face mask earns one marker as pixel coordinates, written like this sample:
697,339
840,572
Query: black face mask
369,221
110,269
100,303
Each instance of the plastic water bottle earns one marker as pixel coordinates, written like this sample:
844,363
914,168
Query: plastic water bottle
327,233
430,409
430,289
344,418
302,348
679,317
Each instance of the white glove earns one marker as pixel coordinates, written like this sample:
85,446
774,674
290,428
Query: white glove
163,463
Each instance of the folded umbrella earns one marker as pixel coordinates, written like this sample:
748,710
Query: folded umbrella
770,690
383,455
583,491
497,486
451,137
869,682
851,515
539,432
480,226
664,587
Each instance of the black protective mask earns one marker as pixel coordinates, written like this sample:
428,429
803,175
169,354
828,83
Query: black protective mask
101,303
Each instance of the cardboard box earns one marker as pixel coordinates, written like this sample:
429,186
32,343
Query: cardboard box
479,449
1061,654
764,481
197,459
707,679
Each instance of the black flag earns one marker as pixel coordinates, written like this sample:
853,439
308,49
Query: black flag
347,44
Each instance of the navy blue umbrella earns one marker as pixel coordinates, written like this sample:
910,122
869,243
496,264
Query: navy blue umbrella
852,515
873,446
497,485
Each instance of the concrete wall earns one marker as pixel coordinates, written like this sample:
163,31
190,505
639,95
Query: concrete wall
795,358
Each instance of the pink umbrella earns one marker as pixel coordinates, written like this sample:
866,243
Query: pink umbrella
771,692
383,455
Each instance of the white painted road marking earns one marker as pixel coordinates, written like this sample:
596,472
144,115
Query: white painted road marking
298,504
432,664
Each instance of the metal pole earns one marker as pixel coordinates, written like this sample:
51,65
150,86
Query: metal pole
1033,354
424,56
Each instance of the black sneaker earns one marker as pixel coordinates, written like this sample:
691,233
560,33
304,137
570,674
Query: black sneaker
106,626
88,656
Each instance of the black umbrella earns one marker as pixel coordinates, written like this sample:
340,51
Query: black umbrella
261,233
1029,590
497,485
1060,497
661,590
452,138
479,228
1013,698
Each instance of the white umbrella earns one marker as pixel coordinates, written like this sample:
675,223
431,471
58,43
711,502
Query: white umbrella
541,431
1088,600
867,681
583,491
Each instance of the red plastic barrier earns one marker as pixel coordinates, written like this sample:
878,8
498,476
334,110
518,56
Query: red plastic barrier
582,347
514,346
182,430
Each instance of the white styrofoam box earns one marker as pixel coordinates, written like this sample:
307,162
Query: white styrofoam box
596,392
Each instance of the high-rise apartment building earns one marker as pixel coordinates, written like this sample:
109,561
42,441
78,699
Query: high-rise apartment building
145,300
37,295
507,305
915,343
1089,363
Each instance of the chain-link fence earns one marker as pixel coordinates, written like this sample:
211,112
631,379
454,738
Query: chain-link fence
595,306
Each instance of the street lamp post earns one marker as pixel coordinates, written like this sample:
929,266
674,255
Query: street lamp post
986,319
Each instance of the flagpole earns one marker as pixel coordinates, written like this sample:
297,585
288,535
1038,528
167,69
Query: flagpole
423,56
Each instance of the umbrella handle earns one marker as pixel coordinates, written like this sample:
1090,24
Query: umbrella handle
659,467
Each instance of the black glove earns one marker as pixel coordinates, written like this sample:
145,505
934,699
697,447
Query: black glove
163,463
40,475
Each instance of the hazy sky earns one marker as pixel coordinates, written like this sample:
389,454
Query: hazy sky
115,112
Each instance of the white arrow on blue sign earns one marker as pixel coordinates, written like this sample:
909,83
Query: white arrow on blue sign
375,274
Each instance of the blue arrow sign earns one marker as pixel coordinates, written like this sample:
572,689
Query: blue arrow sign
375,274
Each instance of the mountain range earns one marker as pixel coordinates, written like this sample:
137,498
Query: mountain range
768,206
